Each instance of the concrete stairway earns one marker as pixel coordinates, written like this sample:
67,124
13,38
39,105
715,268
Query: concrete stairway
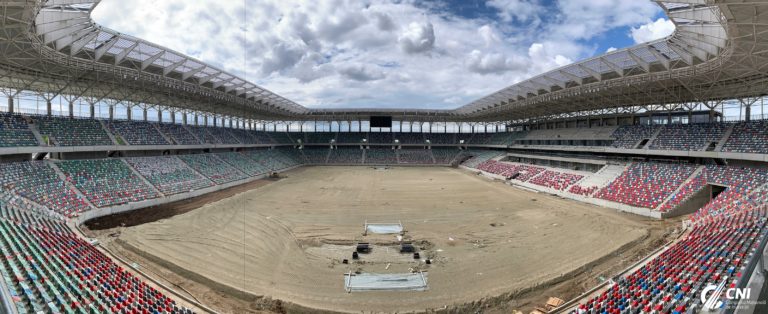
653,137
725,138
699,169
111,136
602,177
71,186
38,136
142,178
166,137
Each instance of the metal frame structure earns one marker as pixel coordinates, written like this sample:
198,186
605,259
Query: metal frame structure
718,51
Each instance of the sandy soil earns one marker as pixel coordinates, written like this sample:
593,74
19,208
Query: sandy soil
282,240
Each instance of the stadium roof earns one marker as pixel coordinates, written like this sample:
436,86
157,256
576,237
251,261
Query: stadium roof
719,50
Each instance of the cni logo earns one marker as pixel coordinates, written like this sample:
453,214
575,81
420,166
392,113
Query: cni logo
712,294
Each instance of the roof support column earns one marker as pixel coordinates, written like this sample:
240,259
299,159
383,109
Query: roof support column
173,116
71,108
10,104
144,114
48,109
111,112
159,115
92,109
129,112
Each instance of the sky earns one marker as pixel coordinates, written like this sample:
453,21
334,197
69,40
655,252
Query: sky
437,54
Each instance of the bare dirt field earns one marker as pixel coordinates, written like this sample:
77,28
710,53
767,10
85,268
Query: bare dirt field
490,243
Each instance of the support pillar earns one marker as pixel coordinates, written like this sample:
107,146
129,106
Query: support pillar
159,116
144,114
111,112
71,109
129,113
173,117
196,121
93,110
48,110
10,104
748,113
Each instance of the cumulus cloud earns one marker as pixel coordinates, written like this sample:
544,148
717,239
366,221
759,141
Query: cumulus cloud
352,53
654,30
360,72
481,63
611,49
417,38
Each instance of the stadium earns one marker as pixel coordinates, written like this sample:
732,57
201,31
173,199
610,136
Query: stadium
138,179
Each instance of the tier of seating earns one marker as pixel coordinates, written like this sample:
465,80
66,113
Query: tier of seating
136,132
38,182
14,131
73,132
213,168
748,137
556,180
477,157
345,155
179,134
243,136
202,133
415,156
380,137
444,155
315,155
739,182
442,138
646,184
169,174
713,253
629,136
410,138
106,182
380,156
282,138
688,136
284,157
50,270
351,137
223,135
584,191
319,137
244,164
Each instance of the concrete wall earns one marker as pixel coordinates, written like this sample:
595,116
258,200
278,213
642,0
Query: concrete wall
692,204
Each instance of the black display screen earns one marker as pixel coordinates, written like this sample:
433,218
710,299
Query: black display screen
381,122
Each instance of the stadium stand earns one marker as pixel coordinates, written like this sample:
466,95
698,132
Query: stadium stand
556,180
48,269
319,137
688,136
748,137
169,174
440,138
136,132
739,182
345,155
287,157
714,251
201,133
380,155
415,156
444,155
14,131
646,184
351,137
410,138
282,137
73,132
179,134
243,136
213,168
380,137
315,155
243,163
223,135
479,156
38,182
629,136
96,180
263,138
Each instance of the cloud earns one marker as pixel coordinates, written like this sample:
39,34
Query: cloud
492,63
651,31
379,53
417,38
360,72
611,49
